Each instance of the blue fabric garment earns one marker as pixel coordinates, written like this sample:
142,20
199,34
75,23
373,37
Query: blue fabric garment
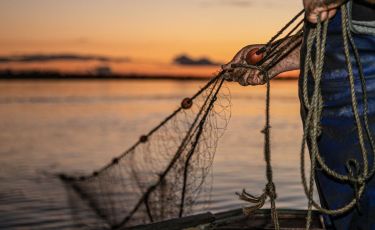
339,141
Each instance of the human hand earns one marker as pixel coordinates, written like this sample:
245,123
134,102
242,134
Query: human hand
325,8
254,76
242,75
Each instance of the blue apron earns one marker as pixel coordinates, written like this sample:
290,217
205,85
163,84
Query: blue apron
339,141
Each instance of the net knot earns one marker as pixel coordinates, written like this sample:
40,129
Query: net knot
143,139
270,190
115,160
357,181
265,129
258,201
354,172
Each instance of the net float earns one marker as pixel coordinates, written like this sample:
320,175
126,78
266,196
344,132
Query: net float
186,103
252,57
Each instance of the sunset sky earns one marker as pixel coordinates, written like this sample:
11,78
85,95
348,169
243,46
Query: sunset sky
134,36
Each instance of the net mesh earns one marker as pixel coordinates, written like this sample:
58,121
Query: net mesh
164,175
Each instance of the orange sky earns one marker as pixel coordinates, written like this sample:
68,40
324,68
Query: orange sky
150,33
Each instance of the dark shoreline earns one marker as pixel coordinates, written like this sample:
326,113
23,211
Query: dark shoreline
13,76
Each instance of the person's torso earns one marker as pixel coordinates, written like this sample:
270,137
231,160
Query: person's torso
362,11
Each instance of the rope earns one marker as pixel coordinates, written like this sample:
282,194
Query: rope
279,33
314,104
274,53
270,188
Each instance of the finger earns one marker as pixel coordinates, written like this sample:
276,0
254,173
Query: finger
227,76
238,74
242,81
251,77
260,79
254,78
226,66
324,11
323,15
312,17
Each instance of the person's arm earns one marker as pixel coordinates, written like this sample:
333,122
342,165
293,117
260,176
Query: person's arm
247,55
245,76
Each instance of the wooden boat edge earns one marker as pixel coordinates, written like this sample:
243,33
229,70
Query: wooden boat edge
210,220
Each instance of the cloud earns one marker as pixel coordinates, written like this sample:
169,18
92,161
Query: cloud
186,60
59,57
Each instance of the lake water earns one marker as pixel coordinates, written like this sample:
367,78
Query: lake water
78,126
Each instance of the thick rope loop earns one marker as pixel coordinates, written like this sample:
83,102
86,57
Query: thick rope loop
314,104
270,189
312,127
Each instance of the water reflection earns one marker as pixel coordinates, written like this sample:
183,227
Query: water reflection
78,126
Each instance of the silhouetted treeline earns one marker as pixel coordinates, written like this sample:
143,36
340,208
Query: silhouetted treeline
55,75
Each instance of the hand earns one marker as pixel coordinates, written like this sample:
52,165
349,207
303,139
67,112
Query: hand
325,8
244,76
247,55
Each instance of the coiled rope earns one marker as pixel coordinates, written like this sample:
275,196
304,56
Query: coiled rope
314,104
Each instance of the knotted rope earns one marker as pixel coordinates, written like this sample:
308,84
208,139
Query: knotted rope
274,51
314,104
270,189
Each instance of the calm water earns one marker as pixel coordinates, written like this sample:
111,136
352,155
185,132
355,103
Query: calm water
78,126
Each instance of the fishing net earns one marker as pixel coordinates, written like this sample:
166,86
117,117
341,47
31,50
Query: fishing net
166,173
162,175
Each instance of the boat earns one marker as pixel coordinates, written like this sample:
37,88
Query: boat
236,220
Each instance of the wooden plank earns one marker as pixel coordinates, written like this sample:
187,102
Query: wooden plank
261,219
234,219
178,223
